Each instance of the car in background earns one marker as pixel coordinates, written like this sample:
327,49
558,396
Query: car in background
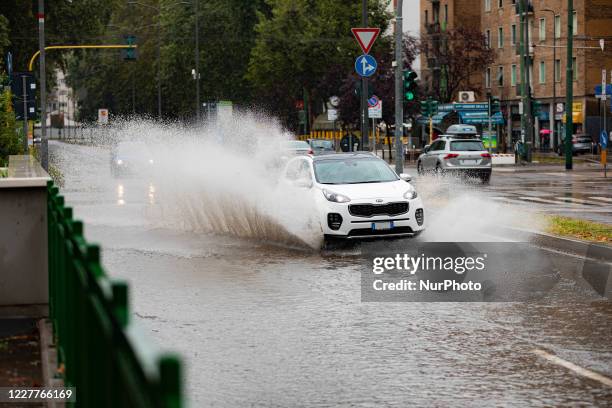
456,154
321,146
129,158
358,195
581,143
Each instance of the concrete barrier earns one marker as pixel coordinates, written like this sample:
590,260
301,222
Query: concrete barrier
23,236
499,158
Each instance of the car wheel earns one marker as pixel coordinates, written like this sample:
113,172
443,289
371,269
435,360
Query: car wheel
420,170
485,178
439,171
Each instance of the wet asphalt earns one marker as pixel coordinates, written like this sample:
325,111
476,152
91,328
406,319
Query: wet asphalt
263,324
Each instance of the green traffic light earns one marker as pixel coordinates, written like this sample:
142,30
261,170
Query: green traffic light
409,96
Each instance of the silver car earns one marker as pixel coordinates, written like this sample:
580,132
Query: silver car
461,156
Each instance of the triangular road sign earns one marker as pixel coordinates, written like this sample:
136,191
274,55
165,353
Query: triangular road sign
365,37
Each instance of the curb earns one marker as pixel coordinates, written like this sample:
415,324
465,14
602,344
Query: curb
588,250
48,355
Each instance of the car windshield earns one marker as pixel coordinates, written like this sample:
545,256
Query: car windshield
130,149
297,144
467,146
321,144
353,171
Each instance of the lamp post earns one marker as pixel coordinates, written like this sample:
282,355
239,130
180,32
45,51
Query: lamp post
554,98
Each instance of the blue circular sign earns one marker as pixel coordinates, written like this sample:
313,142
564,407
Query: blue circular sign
603,139
365,65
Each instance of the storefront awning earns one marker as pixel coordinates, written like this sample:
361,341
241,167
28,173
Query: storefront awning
480,118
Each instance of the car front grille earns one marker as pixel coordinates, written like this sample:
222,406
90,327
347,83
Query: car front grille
368,232
368,210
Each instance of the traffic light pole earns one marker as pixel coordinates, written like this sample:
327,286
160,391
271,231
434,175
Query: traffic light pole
569,91
489,99
44,148
364,88
399,100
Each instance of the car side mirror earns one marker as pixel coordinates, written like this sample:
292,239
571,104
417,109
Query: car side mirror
406,177
426,149
303,183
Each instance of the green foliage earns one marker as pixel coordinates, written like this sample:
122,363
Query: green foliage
9,139
307,44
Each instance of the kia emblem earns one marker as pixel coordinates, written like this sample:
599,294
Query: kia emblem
378,200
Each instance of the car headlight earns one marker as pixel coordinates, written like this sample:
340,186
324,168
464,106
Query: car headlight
410,194
335,197
119,162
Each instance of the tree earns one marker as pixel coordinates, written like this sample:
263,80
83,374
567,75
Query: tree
306,47
9,140
455,57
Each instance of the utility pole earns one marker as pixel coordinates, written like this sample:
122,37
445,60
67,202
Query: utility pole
399,99
197,60
25,114
364,88
490,112
569,90
522,65
552,121
159,97
527,107
44,148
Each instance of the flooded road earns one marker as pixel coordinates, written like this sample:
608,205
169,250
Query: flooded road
263,324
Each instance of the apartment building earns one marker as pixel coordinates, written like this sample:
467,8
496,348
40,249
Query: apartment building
547,36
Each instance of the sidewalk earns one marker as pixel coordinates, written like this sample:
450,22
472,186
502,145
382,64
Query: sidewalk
20,360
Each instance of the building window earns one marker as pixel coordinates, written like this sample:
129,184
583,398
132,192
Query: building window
488,78
487,5
446,13
575,68
426,16
558,70
488,38
500,3
500,37
557,26
513,34
575,23
542,29
513,75
500,76
542,72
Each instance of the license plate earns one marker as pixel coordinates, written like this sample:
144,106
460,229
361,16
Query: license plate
469,161
379,226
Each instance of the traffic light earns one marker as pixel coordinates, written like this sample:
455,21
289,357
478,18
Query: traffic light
410,85
429,107
357,89
536,107
495,105
129,54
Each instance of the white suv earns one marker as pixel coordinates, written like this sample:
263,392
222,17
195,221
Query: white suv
458,155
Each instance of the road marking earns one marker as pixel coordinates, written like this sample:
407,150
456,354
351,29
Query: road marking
573,367
606,199
540,200
575,200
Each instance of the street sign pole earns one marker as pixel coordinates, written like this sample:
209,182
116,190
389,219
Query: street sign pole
569,86
25,114
44,148
364,86
399,106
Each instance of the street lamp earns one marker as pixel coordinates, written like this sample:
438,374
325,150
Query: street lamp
554,66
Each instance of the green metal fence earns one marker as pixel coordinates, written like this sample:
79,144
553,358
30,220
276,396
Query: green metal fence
109,361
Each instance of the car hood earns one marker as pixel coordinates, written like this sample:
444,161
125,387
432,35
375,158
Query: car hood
392,189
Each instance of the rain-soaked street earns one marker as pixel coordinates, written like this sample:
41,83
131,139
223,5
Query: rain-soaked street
261,323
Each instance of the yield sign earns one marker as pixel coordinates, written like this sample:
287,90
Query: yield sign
365,37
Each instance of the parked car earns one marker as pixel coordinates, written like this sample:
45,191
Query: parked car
321,146
358,195
581,143
458,155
